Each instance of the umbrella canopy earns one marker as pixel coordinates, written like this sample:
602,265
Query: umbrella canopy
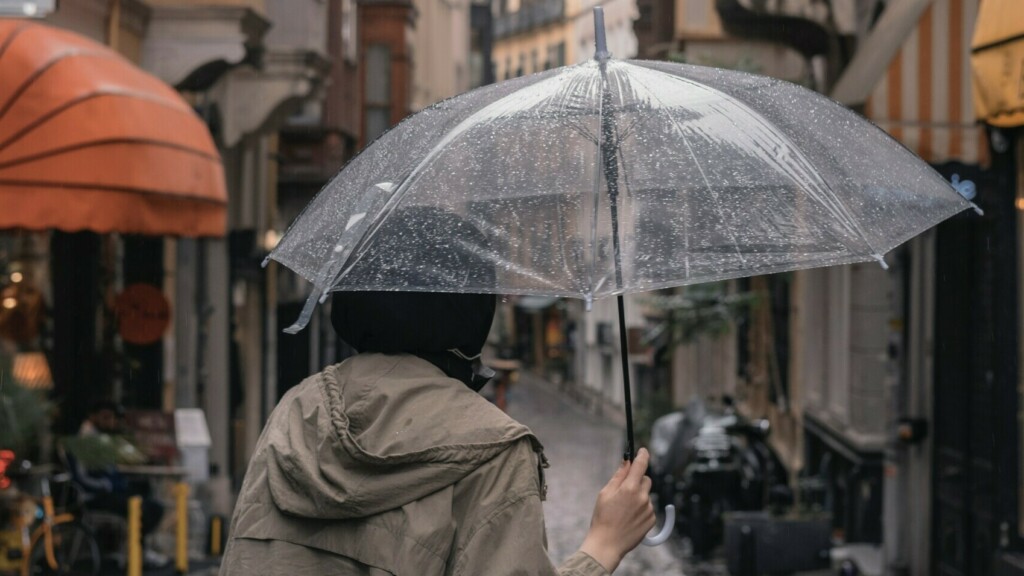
612,177
90,142
713,174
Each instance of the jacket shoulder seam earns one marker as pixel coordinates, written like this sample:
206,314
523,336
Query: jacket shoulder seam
498,511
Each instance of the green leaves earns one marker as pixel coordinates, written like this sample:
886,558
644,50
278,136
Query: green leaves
23,413
702,310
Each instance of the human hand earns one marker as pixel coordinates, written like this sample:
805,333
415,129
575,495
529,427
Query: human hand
623,514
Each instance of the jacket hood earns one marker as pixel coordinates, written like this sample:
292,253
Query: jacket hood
375,433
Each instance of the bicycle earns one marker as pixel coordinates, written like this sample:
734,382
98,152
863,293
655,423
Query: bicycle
56,544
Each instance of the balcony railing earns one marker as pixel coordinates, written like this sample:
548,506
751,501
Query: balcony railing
529,17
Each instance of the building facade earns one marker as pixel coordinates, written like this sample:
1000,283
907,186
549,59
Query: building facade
899,389
530,36
243,80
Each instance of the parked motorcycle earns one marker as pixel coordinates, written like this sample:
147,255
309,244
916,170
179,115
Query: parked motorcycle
710,460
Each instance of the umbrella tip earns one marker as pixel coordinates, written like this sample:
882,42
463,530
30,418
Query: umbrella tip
881,261
601,53
965,188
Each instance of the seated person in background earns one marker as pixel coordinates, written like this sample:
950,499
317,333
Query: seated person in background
104,488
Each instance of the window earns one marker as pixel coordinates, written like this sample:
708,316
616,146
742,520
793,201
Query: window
698,14
559,55
378,91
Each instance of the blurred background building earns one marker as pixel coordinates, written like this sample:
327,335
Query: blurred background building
898,391
895,396
289,91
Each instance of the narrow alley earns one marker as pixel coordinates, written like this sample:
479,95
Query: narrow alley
584,451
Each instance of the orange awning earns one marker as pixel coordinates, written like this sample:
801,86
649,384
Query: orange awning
997,59
88,141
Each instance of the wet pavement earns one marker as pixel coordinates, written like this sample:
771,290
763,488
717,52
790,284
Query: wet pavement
584,452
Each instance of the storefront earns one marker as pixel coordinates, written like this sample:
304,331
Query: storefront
100,162
997,64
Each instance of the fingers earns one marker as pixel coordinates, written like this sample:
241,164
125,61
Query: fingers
645,485
639,467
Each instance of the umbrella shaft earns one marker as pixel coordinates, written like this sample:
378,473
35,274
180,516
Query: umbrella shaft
610,164
627,398
609,149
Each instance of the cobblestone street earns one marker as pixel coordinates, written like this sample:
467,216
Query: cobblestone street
584,451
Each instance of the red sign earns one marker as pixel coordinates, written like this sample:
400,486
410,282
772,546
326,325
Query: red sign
143,314
6,457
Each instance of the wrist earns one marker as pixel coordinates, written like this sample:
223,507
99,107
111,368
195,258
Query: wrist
604,554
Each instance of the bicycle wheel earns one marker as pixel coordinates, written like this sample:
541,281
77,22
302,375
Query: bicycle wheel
75,549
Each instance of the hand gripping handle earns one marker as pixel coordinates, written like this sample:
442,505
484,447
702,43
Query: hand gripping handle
666,529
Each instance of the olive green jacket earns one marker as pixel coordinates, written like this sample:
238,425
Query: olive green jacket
382,465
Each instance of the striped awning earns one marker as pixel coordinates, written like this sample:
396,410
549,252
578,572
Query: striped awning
88,141
924,98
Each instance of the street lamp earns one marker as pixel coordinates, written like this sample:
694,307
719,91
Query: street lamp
27,8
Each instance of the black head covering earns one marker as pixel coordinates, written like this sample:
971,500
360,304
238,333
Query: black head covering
448,329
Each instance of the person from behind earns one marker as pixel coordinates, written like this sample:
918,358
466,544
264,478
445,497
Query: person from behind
391,463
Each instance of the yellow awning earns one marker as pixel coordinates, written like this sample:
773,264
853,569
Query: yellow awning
997,63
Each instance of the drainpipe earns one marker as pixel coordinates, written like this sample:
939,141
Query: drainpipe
877,51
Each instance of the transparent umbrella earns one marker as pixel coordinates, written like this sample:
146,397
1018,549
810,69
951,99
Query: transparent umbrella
611,177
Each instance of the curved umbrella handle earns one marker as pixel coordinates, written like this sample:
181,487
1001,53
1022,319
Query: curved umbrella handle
666,529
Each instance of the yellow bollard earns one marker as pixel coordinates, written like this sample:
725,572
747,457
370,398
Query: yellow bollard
215,535
181,523
135,536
